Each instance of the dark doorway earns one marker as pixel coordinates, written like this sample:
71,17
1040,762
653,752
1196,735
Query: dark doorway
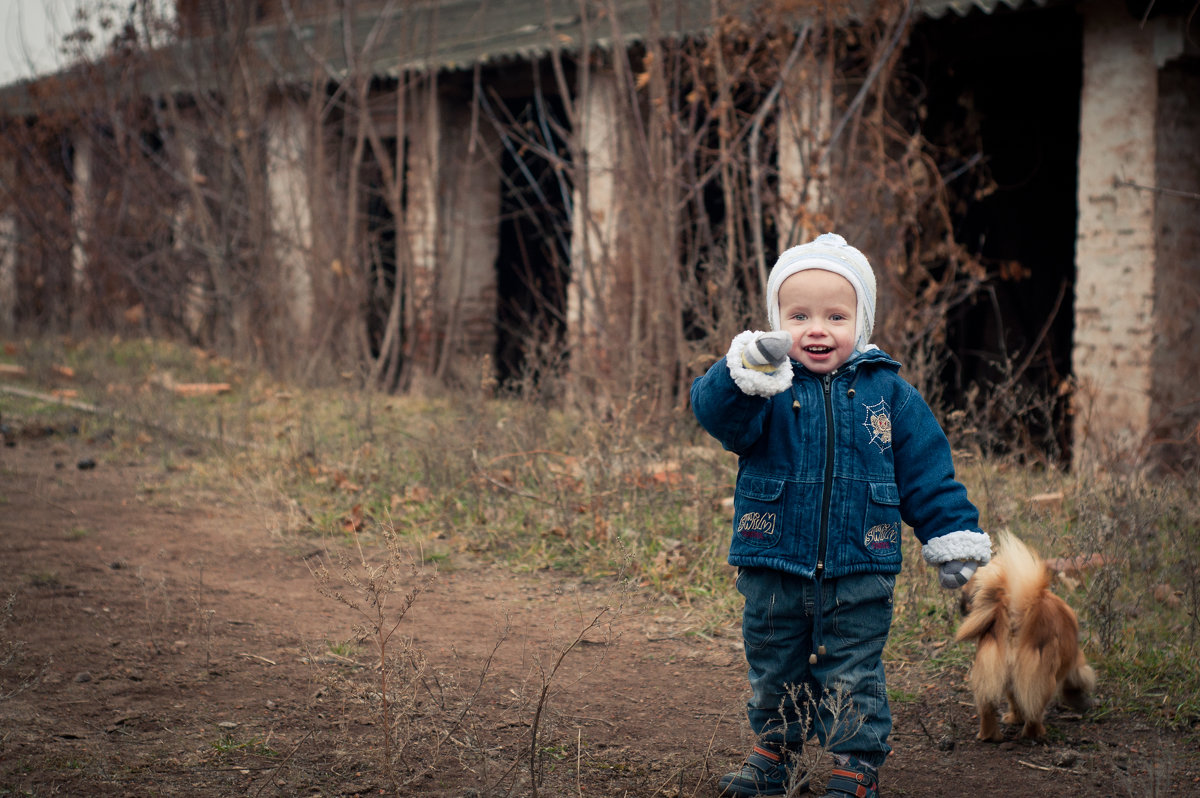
1003,88
379,241
533,264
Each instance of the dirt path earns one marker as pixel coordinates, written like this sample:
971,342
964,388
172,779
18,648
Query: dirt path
164,642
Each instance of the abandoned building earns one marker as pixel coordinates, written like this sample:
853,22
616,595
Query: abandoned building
421,185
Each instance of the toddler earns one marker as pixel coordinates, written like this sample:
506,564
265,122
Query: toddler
835,451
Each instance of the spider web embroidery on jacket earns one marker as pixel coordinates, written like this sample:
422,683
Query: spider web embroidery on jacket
879,423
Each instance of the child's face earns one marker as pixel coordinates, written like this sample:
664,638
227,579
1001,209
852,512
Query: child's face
818,308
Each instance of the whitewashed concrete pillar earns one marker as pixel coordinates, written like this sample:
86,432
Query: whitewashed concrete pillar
469,208
291,213
8,271
805,124
1115,247
595,217
82,215
421,220
186,219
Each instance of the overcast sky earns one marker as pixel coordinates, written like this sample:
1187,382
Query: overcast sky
31,32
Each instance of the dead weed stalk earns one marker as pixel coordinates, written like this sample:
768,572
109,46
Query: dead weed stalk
12,658
833,715
602,618
370,590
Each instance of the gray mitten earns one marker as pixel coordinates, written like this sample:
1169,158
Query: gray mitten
955,573
767,351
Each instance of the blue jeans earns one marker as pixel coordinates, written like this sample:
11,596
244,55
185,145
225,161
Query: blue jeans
793,700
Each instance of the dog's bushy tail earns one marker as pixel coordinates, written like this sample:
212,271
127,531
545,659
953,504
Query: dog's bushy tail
1026,575
987,605
987,624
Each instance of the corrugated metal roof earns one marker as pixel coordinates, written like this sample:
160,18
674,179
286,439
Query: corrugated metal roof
938,8
436,34
457,34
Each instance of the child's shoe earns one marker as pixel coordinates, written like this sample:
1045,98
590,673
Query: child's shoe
765,772
853,777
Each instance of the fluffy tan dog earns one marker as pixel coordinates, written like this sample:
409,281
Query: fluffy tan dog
1027,642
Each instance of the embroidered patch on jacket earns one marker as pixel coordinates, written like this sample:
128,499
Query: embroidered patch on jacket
756,526
882,539
879,423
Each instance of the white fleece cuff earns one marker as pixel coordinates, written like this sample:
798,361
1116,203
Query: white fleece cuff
756,383
962,545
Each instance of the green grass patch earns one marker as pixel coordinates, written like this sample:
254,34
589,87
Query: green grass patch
898,696
44,579
228,744
345,648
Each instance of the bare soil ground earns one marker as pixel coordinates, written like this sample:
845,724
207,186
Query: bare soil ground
162,641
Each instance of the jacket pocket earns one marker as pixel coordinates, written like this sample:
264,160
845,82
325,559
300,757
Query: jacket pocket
758,511
881,535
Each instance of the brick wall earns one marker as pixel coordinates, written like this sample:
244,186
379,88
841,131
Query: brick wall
1175,407
1115,252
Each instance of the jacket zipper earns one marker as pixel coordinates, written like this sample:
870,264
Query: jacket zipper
827,488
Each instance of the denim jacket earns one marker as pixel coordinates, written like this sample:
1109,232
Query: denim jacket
830,466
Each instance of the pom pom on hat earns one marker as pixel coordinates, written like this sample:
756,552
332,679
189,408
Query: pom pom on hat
830,252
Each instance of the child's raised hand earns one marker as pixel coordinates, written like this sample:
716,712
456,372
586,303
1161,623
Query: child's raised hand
758,362
767,351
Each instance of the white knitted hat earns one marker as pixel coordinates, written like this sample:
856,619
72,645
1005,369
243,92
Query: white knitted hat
830,252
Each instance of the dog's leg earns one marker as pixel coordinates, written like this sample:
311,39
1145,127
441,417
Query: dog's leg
1013,716
1033,730
1034,698
989,729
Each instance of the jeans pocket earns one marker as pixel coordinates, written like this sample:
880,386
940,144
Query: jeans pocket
759,587
863,607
